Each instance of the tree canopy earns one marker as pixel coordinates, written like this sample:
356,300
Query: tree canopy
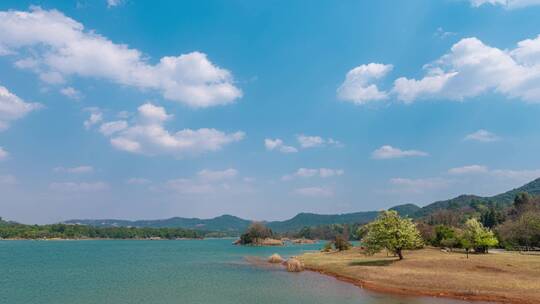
391,232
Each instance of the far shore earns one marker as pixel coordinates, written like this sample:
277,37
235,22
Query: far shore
505,277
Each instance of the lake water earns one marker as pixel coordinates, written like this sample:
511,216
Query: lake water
166,272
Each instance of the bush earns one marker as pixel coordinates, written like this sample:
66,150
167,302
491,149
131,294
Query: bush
340,243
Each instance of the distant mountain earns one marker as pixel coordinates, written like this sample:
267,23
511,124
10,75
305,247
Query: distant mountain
311,219
226,223
235,225
406,209
506,198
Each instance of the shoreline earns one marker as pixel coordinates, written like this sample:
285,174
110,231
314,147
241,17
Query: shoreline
500,278
402,291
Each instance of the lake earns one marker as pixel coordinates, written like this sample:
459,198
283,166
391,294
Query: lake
166,272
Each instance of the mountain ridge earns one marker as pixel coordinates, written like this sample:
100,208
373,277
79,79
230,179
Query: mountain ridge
233,224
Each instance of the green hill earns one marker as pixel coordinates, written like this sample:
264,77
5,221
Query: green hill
506,198
310,219
235,225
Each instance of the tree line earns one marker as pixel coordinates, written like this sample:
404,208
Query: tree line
63,231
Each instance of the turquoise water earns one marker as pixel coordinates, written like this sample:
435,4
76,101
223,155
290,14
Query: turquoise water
165,272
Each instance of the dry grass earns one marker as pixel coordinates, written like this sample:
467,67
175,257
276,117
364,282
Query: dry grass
505,277
294,265
275,259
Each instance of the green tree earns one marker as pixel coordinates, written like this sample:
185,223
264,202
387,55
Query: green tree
476,236
443,232
255,232
393,233
341,243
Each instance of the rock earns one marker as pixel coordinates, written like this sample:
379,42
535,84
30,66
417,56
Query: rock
275,259
294,265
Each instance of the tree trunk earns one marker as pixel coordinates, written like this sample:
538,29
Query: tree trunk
400,254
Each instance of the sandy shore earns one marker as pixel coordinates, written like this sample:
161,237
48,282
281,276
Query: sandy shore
501,277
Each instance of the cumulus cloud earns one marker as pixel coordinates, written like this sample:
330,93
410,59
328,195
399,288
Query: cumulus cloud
57,47
472,169
510,4
307,141
3,154
472,68
12,107
307,172
388,152
278,145
358,86
315,192
79,187
147,135
482,136
75,170
71,92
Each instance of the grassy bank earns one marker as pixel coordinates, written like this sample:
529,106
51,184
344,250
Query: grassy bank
502,277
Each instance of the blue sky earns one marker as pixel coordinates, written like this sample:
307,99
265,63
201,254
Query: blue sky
126,109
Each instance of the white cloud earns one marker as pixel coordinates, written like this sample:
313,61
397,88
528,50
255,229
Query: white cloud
472,169
79,187
8,180
12,107
57,47
138,181
3,154
482,136
75,170
316,192
388,152
420,185
71,92
510,4
307,141
96,116
307,172
472,68
147,135
109,128
358,86
209,175
113,3
278,145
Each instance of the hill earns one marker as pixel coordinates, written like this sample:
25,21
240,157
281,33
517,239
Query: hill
506,198
225,223
235,225
311,219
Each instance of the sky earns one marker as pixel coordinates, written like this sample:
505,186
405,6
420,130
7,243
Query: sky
133,109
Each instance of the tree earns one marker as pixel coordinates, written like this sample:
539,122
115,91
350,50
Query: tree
391,232
523,231
522,201
254,233
443,232
341,243
476,236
